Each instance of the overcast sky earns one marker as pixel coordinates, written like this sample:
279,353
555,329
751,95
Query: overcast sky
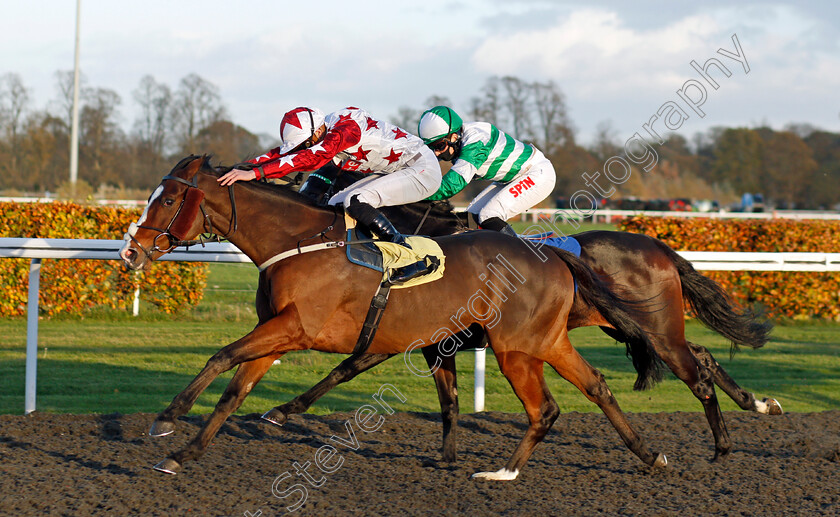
614,60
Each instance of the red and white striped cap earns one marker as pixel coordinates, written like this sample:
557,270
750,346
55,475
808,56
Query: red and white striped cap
298,125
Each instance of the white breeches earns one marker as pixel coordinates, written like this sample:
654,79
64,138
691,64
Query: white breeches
504,200
418,181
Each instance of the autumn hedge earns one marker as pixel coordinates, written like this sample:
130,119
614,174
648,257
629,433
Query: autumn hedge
71,286
797,295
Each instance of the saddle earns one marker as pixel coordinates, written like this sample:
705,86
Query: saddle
387,257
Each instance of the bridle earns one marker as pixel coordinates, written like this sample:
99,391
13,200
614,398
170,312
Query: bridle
174,241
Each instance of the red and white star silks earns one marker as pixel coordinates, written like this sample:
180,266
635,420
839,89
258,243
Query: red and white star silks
354,140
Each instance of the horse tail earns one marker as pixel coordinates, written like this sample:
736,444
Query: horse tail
619,313
715,308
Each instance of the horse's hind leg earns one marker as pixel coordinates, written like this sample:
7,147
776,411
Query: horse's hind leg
346,370
243,381
666,330
525,374
699,379
567,362
446,382
742,397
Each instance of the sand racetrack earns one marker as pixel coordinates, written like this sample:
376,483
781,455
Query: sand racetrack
100,465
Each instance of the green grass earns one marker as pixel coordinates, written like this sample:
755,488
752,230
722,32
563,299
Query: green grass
108,362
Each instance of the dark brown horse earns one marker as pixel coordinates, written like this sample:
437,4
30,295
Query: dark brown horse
641,268
318,301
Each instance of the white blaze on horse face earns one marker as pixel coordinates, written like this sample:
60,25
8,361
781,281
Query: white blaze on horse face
499,475
132,228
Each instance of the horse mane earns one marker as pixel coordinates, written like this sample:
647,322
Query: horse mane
285,189
440,209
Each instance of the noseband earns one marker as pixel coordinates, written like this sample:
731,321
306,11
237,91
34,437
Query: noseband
173,241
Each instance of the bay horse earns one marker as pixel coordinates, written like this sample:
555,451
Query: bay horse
317,301
642,269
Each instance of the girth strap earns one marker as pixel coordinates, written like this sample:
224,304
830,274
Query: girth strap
374,315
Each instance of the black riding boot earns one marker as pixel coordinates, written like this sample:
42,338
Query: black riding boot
377,223
496,224
382,228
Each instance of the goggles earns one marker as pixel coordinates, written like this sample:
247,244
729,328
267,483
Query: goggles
439,145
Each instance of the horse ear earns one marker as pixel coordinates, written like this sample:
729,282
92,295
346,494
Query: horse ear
188,213
194,166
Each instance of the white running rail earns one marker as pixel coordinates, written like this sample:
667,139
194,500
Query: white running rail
38,249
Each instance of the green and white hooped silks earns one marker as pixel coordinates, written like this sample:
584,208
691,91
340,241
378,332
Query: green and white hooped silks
522,176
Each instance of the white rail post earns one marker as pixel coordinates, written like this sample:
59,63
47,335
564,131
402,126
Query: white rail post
479,379
135,309
32,336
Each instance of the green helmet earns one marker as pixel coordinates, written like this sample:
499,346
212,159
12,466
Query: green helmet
438,122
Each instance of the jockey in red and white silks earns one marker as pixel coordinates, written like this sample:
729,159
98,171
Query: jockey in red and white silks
401,168
522,176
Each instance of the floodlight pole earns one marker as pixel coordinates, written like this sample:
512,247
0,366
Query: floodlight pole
74,126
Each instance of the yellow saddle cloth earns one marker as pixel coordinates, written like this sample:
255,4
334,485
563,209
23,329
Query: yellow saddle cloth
395,256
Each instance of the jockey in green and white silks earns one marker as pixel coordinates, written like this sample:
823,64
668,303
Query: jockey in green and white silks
521,175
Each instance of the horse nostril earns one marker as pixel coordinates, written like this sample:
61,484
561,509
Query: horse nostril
129,255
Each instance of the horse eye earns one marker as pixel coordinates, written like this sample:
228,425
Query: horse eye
168,202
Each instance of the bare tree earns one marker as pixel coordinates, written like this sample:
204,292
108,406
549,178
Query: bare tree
406,118
14,99
155,100
63,103
606,143
518,94
228,142
196,106
100,135
487,108
554,129
437,100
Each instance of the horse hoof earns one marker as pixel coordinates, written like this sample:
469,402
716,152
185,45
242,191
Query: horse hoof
162,428
773,406
448,458
168,466
499,475
721,456
660,461
275,416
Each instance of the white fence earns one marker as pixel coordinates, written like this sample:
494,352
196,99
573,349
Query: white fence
38,249
607,215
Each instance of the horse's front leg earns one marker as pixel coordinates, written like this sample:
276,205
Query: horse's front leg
346,370
246,377
265,339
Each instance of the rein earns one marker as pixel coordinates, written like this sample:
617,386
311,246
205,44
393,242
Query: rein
423,220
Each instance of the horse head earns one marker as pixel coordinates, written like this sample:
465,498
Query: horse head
170,218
